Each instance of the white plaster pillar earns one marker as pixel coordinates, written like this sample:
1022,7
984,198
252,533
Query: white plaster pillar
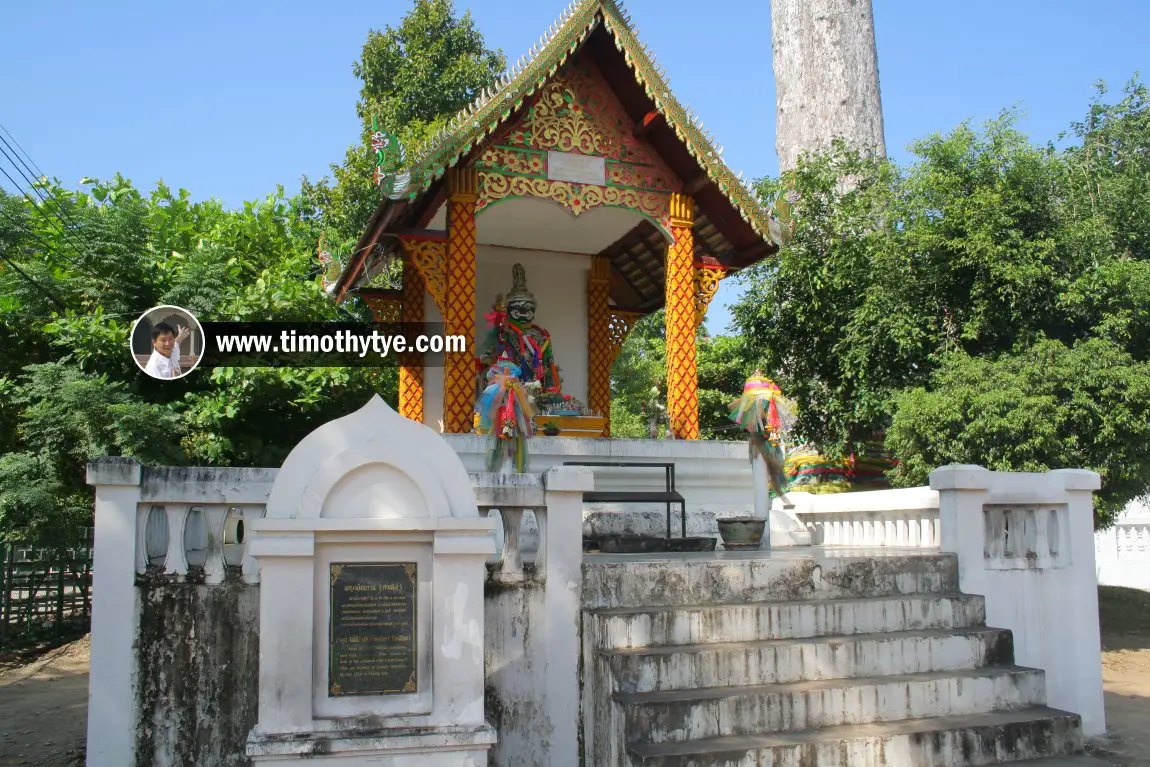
457,582
286,578
111,681
962,492
1077,675
563,544
1049,602
511,561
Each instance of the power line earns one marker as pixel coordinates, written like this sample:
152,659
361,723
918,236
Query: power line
49,248
39,193
38,286
63,232
68,224
17,143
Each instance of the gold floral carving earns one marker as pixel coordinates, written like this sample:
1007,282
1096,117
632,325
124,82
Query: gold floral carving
619,326
510,160
560,122
428,257
385,309
577,198
707,280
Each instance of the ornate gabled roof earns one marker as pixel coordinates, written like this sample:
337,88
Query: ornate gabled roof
494,105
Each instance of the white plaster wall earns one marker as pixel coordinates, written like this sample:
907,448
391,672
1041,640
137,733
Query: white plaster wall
1122,553
432,372
559,282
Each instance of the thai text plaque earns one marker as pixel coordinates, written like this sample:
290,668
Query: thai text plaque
372,639
578,168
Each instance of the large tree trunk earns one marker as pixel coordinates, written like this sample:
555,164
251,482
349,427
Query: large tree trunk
826,77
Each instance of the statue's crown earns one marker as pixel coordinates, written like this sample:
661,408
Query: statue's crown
519,291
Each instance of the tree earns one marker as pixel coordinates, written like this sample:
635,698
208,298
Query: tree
91,260
639,381
70,392
826,77
983,249
416,77
1050,406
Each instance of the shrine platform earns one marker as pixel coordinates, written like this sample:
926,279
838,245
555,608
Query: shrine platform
713,476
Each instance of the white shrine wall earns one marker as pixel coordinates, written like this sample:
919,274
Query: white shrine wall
559,283
1122,552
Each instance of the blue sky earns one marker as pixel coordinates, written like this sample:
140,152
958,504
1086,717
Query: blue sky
227,99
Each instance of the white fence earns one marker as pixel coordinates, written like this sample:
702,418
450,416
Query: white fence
1025,542
1123,551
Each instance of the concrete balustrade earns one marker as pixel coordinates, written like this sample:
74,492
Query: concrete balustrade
1023,545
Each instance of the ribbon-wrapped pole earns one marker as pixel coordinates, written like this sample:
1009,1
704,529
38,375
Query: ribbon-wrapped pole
505,412
765,414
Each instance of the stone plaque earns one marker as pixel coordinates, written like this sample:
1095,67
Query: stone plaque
372,648
579,168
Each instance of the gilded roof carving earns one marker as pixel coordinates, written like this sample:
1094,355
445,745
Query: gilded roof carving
535,71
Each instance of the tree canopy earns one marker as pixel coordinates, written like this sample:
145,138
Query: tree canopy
988,265
415,78
80,265
988,302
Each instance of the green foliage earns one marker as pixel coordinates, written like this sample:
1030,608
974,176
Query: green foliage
68,390
107,252
416,77
969,264
1047,407
639,382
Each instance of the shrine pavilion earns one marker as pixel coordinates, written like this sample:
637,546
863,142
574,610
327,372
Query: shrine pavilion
581,166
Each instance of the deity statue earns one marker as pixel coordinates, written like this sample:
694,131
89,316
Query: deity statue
515,338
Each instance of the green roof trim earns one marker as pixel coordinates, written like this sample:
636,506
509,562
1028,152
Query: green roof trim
494,105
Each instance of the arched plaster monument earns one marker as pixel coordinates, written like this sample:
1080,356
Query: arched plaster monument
371,560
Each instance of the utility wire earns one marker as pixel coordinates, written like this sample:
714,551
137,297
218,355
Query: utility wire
66,225
62,232
56,300
50,249
17,143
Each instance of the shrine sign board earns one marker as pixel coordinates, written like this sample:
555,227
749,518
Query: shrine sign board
577,168
372,629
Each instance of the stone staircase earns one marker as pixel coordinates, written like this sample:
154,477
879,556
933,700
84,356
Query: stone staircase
805,659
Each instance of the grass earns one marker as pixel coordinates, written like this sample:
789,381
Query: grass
1124,611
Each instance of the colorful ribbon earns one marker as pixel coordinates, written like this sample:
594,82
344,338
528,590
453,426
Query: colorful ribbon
505,412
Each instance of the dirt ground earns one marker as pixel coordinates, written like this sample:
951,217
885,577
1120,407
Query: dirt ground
43,703
43,708
1126,679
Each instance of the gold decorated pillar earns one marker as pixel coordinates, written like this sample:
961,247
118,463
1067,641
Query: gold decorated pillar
459,299
599,356
411,363
681,313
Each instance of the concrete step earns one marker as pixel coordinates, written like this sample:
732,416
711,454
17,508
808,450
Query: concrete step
662,580
672,715
950,741
1063,761
685,667
643,626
